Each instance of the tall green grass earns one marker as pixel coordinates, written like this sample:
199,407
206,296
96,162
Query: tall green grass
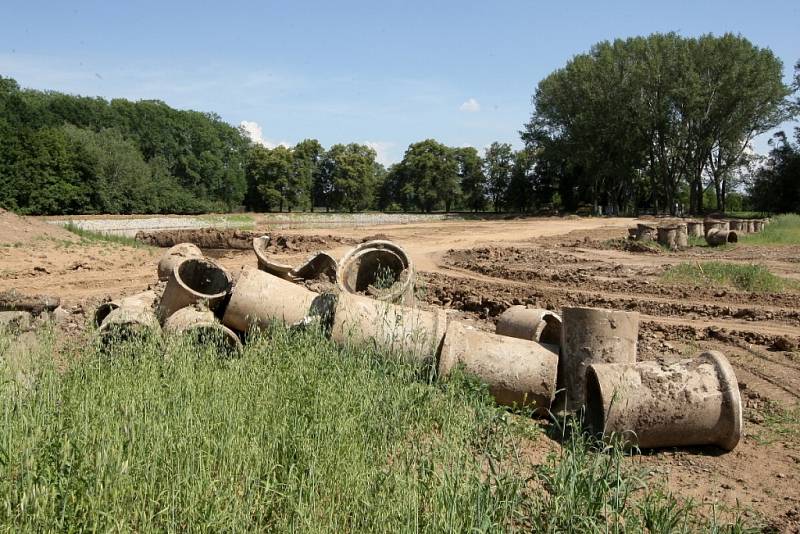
783,230
90,236
295,434
746,277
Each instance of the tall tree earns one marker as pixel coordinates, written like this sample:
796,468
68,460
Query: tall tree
431,170
307,159
350,170
472,179
498,164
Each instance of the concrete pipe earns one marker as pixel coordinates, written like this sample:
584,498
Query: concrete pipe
694,228
681,236
281,270
632,233
651,404
533,324
201,322
668,236
127,322
735,225
145,299
646,232
518,371
758,226
592,335
319,265
718,237
380,269
258,298
174,256
414,333
751,227
713,224
194,280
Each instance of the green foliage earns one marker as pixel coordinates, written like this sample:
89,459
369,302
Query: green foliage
498,164
747,277
782,230
472,178
90,236
350,174
776,185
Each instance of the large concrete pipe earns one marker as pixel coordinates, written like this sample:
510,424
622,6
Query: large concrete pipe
592,335
533,324
411,332
145,299
194,280
281,270
681,236
717,237
380,269
651,404
127,322
259,298
319,265
200,321
174,256
758,225
668,236
751,227
694,228
735,225
646,232
518,371
713,224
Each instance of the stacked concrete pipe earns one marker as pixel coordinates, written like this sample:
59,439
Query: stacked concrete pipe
174,256
533,324
714,224
737,225
694,228
194,280
646,232
717,236
650,404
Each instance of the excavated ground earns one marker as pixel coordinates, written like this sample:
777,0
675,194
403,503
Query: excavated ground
476,269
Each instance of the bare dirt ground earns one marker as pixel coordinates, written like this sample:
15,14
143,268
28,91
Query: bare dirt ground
477,269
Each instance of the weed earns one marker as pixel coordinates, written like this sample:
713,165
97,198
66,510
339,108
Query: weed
782,230
746,277
91,236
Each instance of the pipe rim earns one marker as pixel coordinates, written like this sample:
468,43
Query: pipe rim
176,273
731,395
232,341
367,247
278,269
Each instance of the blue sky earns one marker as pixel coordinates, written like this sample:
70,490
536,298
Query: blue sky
383,73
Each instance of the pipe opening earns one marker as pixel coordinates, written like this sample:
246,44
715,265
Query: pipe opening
732,237
551,333
595,416
102,312
203,277
214,335
374,270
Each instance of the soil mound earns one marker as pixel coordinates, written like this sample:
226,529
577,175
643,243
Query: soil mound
16,229
217,238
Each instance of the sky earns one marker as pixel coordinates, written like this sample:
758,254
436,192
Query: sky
382,73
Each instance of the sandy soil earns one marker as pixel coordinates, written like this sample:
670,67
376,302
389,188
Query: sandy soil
476,269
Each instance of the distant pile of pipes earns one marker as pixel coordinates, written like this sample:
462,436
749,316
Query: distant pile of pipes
585,363
675,235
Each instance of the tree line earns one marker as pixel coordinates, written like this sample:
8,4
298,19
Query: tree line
661,123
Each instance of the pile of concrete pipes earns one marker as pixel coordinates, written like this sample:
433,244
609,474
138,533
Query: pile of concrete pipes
585,363
675,235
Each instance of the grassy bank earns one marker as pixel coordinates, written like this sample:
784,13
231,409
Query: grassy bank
783,230
89,236
294,435
745,277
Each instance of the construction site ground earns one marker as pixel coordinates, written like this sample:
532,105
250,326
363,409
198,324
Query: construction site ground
478,268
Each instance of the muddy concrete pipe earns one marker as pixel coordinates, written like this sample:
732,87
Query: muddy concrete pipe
281,270
174,256
712,224
194,280
593,335
258,298
736,226
651,404
200,321
751,227
694,229
518,371
128,321
145,299
380,269
758,226
646,232
414,333
668,236
681,235
533,324
719,237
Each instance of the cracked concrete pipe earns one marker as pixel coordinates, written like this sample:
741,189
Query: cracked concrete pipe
758,226
646,232
719,237
593,335
694,228
713,224
319,265
533,324
128,321
668,236
145,299
751,227
201,322
518,371
414,333
194,280
379,269
736,225
174,256
651,404
281,270
259,298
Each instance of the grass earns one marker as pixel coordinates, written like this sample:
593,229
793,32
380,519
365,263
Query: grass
783,230
745,277
89,236
296,434
242,221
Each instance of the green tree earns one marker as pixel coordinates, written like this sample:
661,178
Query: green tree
431,170
472,179
308,156
498,163
350,171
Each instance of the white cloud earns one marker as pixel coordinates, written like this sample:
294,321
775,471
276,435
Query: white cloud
382,149
470,106
256,134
